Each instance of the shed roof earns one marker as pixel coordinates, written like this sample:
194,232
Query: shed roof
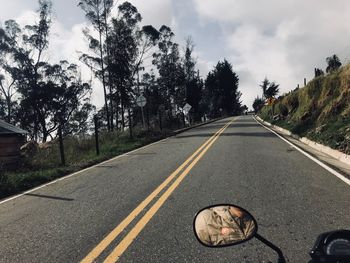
6,128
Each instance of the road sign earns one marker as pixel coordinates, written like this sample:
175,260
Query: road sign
270,101
141,101
187,107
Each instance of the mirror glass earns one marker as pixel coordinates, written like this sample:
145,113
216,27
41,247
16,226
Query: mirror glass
224,225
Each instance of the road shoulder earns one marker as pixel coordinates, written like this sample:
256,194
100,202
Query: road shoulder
339,166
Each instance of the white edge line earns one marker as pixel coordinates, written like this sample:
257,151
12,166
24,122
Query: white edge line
86,169
81,171
329,169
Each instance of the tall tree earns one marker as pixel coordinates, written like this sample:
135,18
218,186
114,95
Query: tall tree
146,38
333,63
8,38
152,94
171,76
25,49
258,104
48,94
193,82
8,91
2,108
97,11
59,96
270,89
124,53
222,85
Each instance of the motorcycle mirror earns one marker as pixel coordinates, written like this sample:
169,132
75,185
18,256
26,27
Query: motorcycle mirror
224,225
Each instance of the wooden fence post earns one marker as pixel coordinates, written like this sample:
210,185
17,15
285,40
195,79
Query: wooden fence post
96,135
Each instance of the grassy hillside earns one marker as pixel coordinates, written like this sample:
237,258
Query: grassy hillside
319,111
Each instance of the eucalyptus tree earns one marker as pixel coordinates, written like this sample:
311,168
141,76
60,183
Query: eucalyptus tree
123,45
2,108
48,94
8,90
25,62
147,39
193,87
97,12
152,94
171,74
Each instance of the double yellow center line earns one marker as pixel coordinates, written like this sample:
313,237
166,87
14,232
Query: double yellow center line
128,239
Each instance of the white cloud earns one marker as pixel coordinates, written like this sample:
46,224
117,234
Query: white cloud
155,12
283,40
11,9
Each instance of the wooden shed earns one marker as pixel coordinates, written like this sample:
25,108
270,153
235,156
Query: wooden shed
11,140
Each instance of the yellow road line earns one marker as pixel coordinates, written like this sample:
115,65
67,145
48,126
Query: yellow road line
129,238
117,230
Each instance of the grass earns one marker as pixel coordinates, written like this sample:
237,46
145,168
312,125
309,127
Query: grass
319,111
80,153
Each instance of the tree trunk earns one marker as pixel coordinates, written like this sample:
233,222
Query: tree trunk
8,109
117,116
122,112
45,134
147,117
103,74
130,123
108,68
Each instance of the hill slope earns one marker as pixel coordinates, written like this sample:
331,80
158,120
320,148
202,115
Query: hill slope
319,111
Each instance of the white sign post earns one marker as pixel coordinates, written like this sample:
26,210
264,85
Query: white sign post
186,110
141,102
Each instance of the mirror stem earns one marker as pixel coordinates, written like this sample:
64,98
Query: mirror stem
281,258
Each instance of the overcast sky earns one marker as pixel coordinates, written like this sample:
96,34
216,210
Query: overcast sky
280,39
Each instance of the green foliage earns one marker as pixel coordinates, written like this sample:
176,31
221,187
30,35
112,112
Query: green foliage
171,74
258,104
270,89
333,63
318,72
80,153
319,111
222,90
48,93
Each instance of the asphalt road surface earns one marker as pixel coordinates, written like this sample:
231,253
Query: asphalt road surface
140,207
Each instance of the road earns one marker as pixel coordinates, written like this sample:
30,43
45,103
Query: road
292,198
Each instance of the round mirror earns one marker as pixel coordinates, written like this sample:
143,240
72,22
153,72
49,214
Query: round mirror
224,225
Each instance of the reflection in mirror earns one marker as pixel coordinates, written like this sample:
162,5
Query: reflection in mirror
224,225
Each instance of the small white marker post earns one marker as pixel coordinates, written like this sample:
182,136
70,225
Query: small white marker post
141,102
186,110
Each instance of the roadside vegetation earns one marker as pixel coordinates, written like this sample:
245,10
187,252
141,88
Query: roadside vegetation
42,164
128,61
319,111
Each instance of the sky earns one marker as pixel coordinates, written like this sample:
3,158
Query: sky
281,40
